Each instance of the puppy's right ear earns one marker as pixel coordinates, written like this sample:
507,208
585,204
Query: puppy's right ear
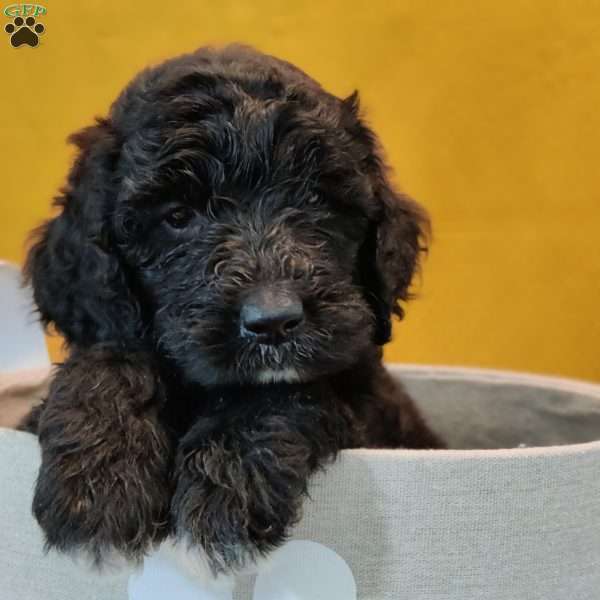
73,266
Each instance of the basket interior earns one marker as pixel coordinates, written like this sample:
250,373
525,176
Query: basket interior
471,410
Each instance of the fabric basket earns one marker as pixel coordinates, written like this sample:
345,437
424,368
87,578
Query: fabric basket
512,512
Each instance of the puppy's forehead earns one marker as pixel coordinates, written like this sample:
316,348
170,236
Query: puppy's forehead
231,129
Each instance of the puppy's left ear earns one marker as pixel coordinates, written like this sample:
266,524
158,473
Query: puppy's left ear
400,239
398,232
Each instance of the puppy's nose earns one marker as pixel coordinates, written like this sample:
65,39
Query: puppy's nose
271,315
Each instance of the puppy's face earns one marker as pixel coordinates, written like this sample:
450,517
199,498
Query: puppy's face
246,258
245,226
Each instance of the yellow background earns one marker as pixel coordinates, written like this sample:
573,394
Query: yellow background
490,112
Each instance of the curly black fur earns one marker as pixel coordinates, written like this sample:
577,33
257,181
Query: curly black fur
106,456
244,466
214,174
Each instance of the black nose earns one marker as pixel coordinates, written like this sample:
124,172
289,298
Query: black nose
271,315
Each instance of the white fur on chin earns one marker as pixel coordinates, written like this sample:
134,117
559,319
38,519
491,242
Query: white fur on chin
288,375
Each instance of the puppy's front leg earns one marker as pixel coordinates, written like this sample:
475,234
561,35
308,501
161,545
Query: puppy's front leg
103,482
243,469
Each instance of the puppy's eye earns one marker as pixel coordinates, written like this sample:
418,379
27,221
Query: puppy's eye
180,217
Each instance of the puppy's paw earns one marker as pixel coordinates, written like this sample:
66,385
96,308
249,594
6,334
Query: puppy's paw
100,501
103,488
235,506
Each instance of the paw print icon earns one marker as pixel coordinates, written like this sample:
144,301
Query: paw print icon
24,32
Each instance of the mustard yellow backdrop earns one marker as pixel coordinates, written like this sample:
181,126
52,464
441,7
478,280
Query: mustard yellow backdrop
490,112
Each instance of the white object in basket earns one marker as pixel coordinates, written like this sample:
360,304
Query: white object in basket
22,343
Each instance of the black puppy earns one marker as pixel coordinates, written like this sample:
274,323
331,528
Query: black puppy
228,255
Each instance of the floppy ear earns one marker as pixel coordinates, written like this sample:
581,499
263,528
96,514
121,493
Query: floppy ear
399,241
397,235
73,266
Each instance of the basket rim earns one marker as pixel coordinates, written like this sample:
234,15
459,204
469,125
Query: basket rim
476,375
494,376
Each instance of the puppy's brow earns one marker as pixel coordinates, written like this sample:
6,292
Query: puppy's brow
165,197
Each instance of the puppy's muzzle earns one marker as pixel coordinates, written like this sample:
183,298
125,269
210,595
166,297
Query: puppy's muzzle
271,315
